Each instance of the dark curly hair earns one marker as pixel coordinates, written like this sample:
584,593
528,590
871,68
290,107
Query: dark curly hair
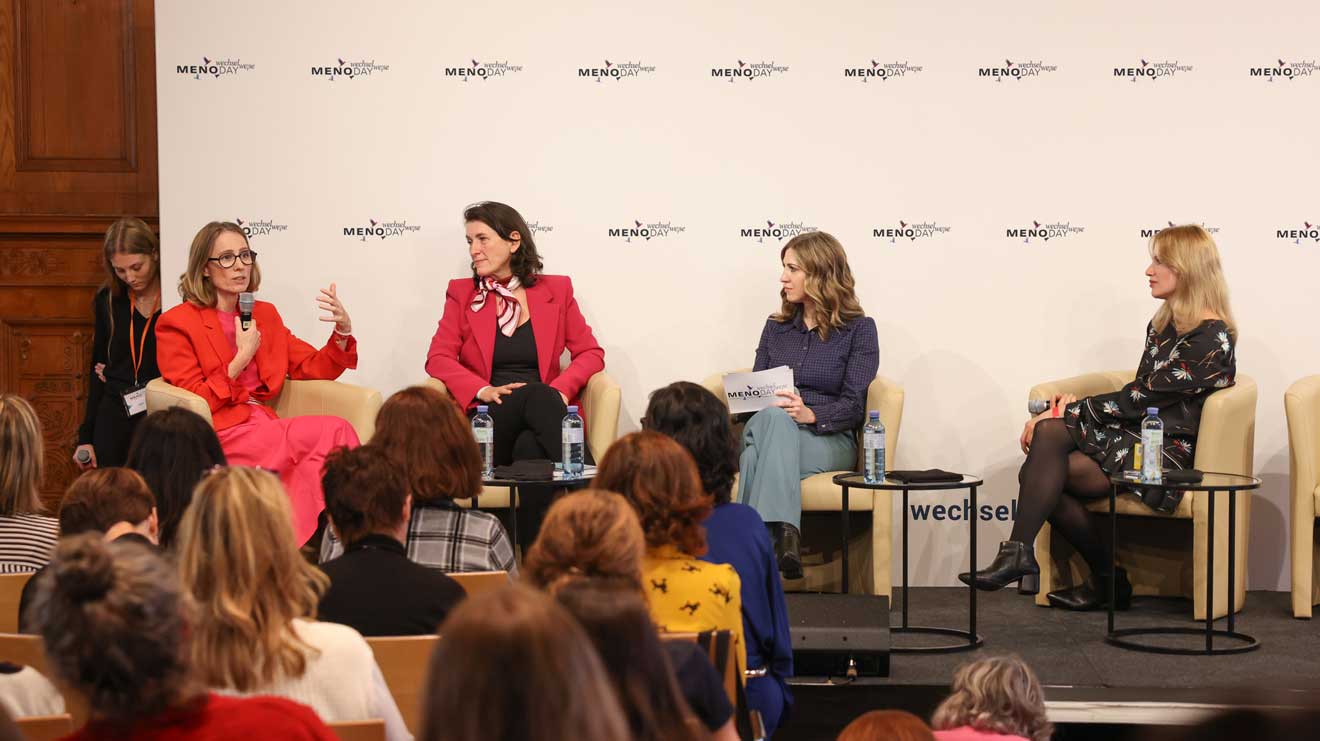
659,479
505,221
699,421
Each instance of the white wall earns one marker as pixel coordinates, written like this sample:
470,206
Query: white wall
969,319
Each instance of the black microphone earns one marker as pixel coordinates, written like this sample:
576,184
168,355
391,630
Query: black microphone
245,303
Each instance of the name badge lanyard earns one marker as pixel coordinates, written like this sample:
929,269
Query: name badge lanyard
137,351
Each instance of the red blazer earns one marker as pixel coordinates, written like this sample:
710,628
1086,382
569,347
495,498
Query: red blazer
464,343
194,354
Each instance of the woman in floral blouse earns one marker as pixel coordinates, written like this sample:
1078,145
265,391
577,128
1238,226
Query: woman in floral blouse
1189,354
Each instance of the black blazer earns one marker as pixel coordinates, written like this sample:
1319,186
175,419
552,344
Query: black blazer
377,591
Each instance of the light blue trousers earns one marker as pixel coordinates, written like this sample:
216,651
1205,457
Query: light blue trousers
777,454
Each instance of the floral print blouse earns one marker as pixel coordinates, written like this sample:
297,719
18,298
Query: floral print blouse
1176,374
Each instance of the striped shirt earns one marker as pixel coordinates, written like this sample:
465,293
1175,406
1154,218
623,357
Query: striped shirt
27,542
447,537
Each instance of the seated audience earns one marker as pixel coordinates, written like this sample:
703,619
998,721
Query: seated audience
659,479
256,632
27,693
374,588
118,627
887,725
735,535
172,448
594,534
430,439
993,698
27,537
515,666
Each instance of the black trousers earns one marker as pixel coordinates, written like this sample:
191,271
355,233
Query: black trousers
113,431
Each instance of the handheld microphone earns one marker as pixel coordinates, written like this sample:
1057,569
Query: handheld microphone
82,456
245,303
1038,406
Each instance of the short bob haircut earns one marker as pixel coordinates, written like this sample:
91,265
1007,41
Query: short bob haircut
364,492
22,457
127,236
428,436
506,222
699,421
659,479
172,449
997,694
194,286
589,534
829,282
102,497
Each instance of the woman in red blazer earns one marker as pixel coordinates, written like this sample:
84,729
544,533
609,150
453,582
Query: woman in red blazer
201,346
502,333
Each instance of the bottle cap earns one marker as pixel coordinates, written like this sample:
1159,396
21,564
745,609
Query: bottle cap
482,409
875,414
1152,411
572,408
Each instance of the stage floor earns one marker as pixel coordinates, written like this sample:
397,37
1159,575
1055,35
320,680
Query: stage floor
1086,680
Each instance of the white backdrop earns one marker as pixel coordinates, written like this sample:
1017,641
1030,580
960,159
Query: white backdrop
593,116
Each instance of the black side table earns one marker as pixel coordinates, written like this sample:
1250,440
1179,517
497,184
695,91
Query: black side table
558,482
1211,482
970,638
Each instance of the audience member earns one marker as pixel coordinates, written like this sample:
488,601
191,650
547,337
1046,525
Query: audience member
117,628
887,725
428,436
997,697
659,479
374,588
515,666
735,535
27,537
172,448
256,633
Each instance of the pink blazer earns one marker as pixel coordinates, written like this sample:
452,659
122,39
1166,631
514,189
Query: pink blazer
464,342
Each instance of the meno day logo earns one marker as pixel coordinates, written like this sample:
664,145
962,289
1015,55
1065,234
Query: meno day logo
910,231
748,71
1016,70
349,69
646,230
1044,231
1148,233
214,68
1310,230
381,229
483,70
1285,70
537,227
775,231
260,227
1148,70
616,71
761,391
881,71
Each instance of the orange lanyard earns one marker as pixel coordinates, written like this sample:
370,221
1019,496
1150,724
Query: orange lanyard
135,350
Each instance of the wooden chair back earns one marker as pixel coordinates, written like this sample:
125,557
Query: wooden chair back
11,592
476,582
403,661
26,650
47,727
359,730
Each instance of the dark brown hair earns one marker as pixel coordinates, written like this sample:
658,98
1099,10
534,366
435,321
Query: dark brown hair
505,221
659,479
587,534
115,623
887,725
699,421
172,449
101,497
426,433
550,682
618,622
127,236
364,491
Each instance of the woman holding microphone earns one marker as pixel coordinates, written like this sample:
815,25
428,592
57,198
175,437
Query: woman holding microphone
205,348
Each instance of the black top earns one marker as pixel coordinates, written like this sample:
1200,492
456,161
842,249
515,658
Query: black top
514,359
377,591
700,683
110,346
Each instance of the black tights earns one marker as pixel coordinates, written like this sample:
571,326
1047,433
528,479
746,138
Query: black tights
1052,483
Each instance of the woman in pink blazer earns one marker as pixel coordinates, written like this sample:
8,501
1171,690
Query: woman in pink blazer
503,332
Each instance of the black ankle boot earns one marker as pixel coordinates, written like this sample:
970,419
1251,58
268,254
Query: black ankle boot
1016,562
1093,594
788,544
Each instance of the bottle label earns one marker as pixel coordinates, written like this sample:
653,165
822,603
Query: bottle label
873,440
483,435
572,435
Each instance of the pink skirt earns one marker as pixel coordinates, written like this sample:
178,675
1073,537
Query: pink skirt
294,448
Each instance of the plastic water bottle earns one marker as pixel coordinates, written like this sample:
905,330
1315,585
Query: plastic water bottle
483,429
570,433
873,453
1152,447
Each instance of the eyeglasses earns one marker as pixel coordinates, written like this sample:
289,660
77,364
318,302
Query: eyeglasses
227,260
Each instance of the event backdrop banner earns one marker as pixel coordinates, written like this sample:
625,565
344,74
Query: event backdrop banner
995,172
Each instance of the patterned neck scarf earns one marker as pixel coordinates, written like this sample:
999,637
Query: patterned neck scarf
506,305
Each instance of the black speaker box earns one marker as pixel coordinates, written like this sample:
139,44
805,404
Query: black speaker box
838,634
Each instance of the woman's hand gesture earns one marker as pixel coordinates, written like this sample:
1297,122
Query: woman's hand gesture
329,302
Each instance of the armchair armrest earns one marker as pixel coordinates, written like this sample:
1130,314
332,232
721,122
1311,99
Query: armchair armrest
357,405
1088,384
162,395
601,400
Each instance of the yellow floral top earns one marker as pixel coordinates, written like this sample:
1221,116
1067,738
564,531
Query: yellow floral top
687,595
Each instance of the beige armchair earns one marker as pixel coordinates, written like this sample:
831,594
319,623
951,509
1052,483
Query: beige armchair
356,404
1302,404
820,494
1153,550
601,400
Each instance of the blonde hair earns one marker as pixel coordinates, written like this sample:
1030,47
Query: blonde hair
128,236
238,558
22,457
194,286
1190,252
829,282
998,694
